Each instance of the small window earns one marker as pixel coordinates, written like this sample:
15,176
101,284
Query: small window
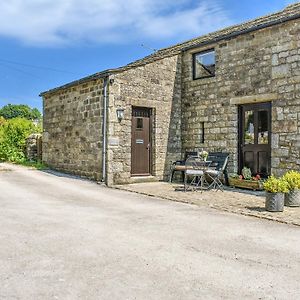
204,64
201,132
139,123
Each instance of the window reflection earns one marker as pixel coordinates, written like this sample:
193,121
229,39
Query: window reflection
204,64
249,127
263,130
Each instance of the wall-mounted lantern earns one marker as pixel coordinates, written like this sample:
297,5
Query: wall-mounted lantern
120,114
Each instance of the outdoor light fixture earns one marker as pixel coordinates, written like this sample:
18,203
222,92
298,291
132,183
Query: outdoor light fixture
120,114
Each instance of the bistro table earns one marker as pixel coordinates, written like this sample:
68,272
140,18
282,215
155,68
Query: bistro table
195,168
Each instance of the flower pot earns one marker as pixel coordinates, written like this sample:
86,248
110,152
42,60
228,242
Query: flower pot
292,198
274,202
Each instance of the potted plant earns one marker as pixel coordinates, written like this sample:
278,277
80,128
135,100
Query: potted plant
245,180
292,198
275,190
204,155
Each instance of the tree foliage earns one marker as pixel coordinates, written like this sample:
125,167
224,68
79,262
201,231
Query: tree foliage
11,111
13,134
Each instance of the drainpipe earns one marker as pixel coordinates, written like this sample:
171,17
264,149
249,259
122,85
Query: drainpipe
104,128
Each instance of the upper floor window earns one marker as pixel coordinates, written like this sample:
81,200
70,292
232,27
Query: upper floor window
204,64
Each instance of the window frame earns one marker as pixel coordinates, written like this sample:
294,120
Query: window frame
194,63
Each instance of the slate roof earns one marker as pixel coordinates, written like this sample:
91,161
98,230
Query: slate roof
291,12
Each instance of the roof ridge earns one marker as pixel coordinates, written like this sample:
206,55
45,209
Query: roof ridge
289,12
285,10
293,5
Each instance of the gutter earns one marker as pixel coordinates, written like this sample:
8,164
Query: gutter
104,128
242,31
78,81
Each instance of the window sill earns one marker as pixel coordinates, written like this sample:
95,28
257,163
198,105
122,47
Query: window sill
197,78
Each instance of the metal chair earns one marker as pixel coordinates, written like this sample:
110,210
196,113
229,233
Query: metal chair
179,165
217,169
195,168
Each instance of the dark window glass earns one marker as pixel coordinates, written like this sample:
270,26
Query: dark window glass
201,132
204,64
249,127
139,123
263,130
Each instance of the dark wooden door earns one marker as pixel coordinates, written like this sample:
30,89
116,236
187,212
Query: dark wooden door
255,138
141,141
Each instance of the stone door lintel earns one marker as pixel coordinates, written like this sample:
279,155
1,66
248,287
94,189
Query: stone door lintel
253,99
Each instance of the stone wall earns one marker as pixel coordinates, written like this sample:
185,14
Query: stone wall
72,138
155,85
34,147
260,66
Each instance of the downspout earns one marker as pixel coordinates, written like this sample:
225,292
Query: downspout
104,129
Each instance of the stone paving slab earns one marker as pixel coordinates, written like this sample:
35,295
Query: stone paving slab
238,201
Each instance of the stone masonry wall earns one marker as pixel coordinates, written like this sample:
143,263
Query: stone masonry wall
34,147
72,138
156,85
260,66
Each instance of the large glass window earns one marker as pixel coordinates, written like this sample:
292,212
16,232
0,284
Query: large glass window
249,127
263,128
204,64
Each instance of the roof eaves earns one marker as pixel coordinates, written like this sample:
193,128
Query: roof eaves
285,15
79,81
236,33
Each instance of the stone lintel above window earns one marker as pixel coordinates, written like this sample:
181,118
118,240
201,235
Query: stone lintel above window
253,99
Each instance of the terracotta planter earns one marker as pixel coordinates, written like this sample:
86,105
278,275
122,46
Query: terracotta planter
274,202
292,198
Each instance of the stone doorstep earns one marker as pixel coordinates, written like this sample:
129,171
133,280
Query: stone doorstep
142,179
252,203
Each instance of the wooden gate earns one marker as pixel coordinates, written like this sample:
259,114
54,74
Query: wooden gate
141,141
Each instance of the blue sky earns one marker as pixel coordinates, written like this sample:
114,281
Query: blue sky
46,43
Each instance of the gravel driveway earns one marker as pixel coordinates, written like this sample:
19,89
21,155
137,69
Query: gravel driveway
66,238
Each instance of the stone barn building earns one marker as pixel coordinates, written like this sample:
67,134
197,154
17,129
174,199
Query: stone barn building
235,90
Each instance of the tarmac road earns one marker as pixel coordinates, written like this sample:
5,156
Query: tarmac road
66,238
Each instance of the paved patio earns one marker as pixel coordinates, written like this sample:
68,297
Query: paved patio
237,201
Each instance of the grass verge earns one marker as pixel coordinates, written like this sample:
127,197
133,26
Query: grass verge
34,164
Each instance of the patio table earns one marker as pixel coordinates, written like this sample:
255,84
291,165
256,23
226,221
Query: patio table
196,168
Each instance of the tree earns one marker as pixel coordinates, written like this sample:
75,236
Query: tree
13,134
11,111
35,114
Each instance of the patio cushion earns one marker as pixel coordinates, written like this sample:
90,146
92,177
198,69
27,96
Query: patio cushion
179,168
213,172
194,172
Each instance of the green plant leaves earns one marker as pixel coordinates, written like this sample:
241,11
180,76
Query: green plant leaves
276,185
293,179
13,134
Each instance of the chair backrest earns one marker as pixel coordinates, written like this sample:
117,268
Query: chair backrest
218,160
189,154
194,162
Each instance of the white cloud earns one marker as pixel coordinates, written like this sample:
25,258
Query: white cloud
60,22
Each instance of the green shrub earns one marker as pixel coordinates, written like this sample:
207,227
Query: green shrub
11,111
293,180
13,134
276,185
